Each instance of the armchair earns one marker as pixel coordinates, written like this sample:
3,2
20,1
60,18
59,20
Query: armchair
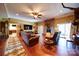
56,37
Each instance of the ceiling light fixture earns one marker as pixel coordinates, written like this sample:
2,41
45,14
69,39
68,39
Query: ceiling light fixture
36,15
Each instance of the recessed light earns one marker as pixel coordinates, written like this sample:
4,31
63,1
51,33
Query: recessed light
61,11
17,14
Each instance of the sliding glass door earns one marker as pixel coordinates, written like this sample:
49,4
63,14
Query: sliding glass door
65,29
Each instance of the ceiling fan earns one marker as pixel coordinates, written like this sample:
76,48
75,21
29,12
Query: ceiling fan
33,14
36,15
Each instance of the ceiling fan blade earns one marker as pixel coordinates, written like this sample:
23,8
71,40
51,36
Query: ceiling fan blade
43,17
29,9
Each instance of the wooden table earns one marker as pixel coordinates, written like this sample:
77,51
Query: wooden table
48,43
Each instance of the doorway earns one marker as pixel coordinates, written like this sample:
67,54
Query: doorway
65,29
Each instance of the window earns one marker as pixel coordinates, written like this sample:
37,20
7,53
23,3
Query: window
65,29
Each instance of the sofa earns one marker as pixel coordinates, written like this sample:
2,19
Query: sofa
28,39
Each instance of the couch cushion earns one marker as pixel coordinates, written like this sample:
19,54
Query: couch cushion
25,38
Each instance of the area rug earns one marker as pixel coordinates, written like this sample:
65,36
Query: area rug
14,46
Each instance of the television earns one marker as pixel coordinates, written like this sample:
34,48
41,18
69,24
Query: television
27,27
14,25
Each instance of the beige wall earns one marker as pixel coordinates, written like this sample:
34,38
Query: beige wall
11,20
51,22
41,28
43,25
67,18
20,24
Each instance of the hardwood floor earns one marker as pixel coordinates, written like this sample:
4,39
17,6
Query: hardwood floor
40,50
2,46
59,50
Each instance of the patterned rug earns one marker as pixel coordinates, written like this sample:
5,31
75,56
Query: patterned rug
14,46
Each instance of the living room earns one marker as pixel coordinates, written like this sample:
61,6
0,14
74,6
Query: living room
26,33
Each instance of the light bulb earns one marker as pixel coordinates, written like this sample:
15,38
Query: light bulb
35,16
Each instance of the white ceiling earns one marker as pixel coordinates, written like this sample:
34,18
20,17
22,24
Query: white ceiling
2,11
22,10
